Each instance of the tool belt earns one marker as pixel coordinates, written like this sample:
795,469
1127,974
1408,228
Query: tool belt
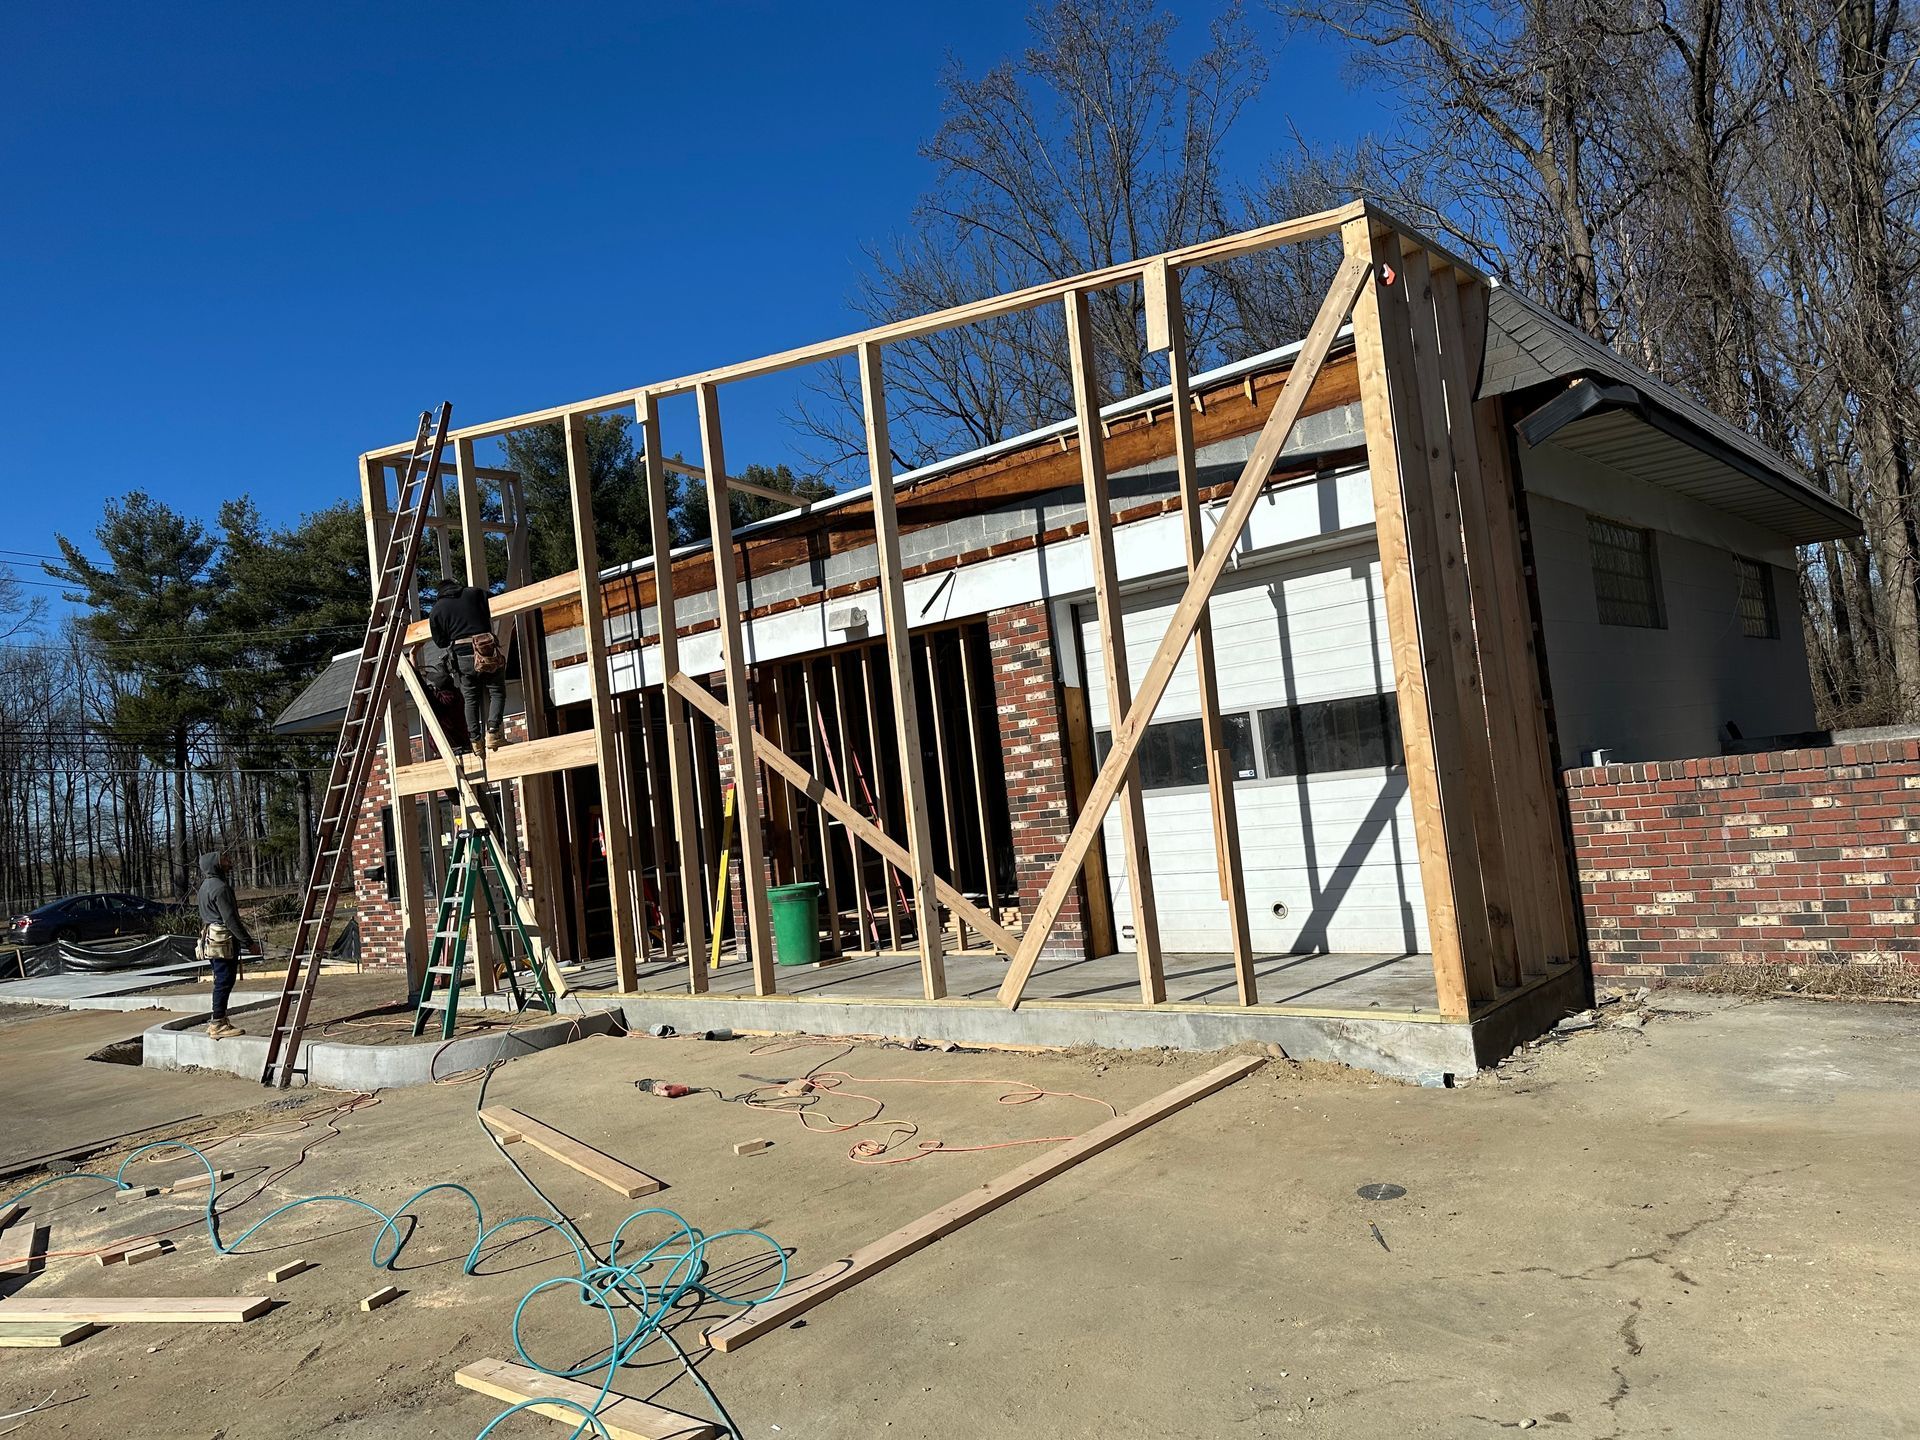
488,657
217,942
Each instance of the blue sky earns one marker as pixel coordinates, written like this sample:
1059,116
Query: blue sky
242,243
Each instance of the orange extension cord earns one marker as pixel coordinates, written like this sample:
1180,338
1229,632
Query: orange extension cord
818,1084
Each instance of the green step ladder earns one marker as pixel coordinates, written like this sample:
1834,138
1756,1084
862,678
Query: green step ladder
473,868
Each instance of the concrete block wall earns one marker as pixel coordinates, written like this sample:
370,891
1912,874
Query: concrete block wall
1795,857
1033,742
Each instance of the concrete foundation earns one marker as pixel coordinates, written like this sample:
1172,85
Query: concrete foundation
1405,1046
183,1044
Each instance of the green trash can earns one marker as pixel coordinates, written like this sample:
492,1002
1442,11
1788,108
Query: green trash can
796,923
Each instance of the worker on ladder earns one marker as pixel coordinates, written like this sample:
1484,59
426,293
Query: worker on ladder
222,934
461,622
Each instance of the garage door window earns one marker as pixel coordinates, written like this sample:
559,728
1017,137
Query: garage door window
1361,732
1173,753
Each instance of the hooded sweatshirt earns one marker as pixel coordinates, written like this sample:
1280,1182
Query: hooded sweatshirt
216,901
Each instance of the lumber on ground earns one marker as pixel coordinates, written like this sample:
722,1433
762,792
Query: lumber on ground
42,1334
10,1214
287,1272
385,1295
155,1310
514,1127
624,1417
830,1280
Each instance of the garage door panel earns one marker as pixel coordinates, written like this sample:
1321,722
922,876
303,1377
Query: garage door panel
1334,850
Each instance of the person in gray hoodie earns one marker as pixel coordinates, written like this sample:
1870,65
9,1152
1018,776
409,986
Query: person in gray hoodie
222,937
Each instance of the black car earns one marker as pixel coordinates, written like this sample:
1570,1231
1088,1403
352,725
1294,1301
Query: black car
88,917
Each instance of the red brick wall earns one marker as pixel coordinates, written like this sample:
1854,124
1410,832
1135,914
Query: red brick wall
1797,857
1033,739
380,935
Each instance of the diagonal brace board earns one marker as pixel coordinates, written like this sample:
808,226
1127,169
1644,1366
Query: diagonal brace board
1131,729
802,1295
836,805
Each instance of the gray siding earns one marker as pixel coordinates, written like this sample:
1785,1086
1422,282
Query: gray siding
1659,694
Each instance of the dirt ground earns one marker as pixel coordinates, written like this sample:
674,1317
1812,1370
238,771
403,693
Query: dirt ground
1699,1226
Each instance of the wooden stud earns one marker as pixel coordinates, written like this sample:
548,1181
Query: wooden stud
1221,774
616,1175
619,855
195,1181
621,1417
536,799
385,1295
1159,284
1128,730
815,725
152,1251
896,626
746,780
1077,719
843,810
686,823
802,1295
1113,643
1403,526
287,1272
752,1147
869,929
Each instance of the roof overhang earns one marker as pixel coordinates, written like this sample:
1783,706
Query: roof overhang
1621,426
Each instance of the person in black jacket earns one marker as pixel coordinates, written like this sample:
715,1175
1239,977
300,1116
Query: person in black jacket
461,621
222,936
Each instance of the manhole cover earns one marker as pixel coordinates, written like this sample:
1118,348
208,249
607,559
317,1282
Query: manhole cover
1380,1190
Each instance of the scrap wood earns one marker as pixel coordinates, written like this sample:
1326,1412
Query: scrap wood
155,1310
148,1252
200,1179
830,1280
512,1128
287,1272
10,1214
752,1147
624,1417
42,1334
385,1295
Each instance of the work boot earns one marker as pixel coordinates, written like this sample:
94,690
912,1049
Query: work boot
496,737
223,1030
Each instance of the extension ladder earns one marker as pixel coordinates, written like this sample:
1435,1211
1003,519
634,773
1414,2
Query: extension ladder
471,862
359,737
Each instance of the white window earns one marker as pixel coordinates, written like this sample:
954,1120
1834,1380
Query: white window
1626,576
1758,617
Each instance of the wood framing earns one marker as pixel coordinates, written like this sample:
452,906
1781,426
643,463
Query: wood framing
1113,641
1163,305
758,940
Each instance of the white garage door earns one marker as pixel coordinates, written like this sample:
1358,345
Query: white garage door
1326,828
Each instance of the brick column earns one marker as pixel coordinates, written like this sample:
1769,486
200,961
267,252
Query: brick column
381,942
1034,743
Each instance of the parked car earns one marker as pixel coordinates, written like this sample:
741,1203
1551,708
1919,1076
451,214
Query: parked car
89,917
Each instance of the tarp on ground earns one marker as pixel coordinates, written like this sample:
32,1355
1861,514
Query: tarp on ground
66,957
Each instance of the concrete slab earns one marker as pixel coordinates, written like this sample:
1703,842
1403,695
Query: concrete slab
62,990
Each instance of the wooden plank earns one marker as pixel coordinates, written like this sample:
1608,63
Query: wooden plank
877,783
1077,717
287,1272
473,555
193,1182
622,1416
1128,730
1475,757
153,1250
570,751
1525,849
1205,252
1113,643
842,762
10,1214
385,1295
516,601
843,810
1389,408
746,778
813,723
802,1295
896,634
752,1147
50,1335
122,1310
686,811
616,1175
1561,928
541,851
1221,774
613,825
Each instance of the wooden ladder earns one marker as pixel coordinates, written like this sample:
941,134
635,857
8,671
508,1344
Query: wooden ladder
359,738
